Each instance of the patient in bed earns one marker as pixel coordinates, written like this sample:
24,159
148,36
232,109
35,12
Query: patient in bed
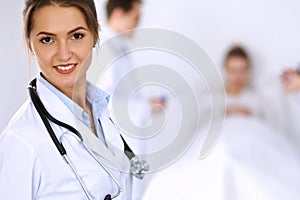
252,160
241,99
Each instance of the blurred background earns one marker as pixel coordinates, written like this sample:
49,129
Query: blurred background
269,30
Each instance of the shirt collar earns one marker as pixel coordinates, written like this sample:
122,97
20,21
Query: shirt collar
94,95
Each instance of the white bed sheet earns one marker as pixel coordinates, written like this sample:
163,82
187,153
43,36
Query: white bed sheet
250,161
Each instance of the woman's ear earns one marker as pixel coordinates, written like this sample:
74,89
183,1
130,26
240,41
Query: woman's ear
29,47
28,44
96,42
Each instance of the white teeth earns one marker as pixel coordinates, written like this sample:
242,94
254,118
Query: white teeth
64,68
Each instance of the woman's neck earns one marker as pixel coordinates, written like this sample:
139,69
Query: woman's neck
234,90
79,95
76,93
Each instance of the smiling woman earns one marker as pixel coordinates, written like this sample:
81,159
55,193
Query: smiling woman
61,48
61,35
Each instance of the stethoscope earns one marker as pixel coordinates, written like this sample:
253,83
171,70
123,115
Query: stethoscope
137,168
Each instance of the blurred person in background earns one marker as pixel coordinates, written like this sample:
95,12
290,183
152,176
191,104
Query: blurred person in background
291,80
252,160
241,98
123,17
252,142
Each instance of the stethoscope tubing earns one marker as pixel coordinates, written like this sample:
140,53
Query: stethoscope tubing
43,114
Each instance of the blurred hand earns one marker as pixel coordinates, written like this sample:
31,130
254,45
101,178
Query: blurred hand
291,81
238,110
157,105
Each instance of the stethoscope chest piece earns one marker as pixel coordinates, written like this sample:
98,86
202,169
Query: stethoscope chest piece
107,197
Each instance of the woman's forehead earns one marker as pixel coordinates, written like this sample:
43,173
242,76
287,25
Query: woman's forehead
56,19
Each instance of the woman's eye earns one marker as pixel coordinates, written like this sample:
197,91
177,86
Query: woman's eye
77,36
46,40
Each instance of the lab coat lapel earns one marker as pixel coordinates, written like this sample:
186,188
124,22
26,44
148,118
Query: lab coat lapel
113,139
98,147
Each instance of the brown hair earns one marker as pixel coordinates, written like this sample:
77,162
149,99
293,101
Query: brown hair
125,5
87,7
237,51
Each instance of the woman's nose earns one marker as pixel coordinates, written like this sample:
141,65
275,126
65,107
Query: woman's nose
64,52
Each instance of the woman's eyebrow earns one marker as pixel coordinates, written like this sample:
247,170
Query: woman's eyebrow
71,31
44,33
76,29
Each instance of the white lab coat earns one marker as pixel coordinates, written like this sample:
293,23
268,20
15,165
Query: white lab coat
138,105
123,66
32,168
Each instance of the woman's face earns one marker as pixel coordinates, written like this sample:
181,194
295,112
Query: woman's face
61,42
237,72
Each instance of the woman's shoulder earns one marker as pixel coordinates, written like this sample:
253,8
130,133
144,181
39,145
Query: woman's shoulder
25,135
23,124
21,116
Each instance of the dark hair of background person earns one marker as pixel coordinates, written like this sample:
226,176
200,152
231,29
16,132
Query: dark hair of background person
237,51
125,5
87,7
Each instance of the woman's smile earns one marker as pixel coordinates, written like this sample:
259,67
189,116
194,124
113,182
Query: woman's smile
65,68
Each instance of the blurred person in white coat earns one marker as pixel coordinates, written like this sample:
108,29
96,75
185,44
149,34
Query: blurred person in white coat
122,18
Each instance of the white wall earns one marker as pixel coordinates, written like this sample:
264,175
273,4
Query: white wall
13,76
269,29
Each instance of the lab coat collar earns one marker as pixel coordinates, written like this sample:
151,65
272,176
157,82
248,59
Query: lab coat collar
55,106
94,95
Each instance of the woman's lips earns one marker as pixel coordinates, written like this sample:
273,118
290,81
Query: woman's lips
65,69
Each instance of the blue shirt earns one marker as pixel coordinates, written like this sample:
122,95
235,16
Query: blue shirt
97,98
